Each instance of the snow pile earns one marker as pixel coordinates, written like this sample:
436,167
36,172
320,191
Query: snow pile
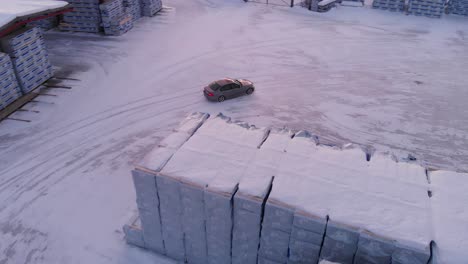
217,195
9,10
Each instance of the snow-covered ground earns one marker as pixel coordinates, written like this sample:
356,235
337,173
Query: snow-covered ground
351,75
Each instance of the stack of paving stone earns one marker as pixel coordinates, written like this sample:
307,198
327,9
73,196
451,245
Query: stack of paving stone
458,7
85,17
133,7
30,59
46,23
428,8
150,7
9,88
280,197
114,19
391,5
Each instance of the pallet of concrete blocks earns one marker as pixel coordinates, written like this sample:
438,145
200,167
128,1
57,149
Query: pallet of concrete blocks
29,55
220,191
133,8
458,7
46,23
85,17
390,5
9,88
428,8
150,7
114,20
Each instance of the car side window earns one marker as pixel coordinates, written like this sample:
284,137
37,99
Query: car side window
235,86
226,87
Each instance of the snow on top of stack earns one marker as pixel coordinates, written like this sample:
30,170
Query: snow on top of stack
158,157
220,149
11,9
258,174
383,196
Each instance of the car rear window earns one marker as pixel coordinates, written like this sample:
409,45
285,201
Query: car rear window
214,86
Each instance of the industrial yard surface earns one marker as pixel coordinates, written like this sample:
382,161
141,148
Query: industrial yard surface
374,78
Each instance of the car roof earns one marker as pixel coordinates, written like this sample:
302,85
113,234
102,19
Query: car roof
225,81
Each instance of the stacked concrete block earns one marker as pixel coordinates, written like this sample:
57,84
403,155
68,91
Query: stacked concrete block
158,197
306,238
458,7
252,194
85,17
133,8
404,254
390,5
276,231
150,7
340,243
115,20
326,5
428,8
133,232
373,249
271,199
30,58
46,23
207,189
148,207
9,88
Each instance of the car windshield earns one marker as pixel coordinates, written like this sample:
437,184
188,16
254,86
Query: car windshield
214,86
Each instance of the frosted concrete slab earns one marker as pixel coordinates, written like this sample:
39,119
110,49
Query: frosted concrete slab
133,232
450,215
148,206
252,192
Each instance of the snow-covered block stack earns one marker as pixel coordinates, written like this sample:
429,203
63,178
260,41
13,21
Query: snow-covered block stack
150,7
115,20
150,207
218,191
326,5
46,23
133,8
390,5
30,58
9,88
428,8
252,194
208,168
85,17
458,7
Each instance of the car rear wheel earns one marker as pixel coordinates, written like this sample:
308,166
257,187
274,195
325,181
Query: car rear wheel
249,91
221,98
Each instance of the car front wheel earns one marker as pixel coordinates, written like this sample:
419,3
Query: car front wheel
221,98
249,91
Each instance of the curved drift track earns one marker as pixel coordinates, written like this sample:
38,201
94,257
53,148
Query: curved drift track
359,75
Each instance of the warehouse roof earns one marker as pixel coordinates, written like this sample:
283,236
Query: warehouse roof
15,13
